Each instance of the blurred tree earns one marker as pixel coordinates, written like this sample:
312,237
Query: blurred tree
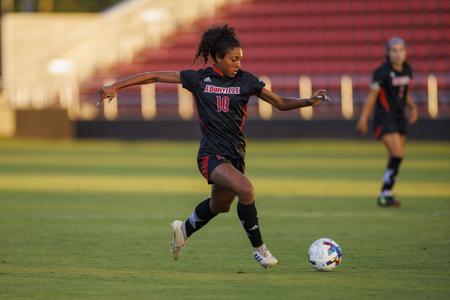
27,5
7,5
63,5
45,5
83,5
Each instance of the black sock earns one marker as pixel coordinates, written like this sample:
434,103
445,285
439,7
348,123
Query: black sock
249,220
391,173
199,218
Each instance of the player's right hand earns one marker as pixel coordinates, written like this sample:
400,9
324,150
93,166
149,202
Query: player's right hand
362,127
320,96
107,92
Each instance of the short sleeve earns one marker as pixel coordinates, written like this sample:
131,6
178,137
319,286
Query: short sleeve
377,80
255,84
188,79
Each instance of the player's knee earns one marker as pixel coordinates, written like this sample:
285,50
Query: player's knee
246,193
398,153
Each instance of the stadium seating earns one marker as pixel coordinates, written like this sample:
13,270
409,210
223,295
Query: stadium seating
322,39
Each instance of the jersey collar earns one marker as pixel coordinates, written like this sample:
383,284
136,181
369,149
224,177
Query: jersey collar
218,71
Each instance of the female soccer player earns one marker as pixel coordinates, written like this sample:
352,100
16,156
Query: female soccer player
390,94
221,94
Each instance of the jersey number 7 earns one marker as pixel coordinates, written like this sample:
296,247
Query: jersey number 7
223,103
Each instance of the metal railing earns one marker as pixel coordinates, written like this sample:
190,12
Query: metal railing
265,110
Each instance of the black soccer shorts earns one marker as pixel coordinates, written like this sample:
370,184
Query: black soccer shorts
382,126
207,164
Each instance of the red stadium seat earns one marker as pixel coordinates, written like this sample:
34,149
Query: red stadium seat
326,39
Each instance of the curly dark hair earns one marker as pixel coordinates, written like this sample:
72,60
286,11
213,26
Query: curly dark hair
215,42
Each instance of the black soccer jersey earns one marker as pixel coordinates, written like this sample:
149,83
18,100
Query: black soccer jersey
393,89
222,108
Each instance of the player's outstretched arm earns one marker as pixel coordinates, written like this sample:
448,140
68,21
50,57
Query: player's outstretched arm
362,126
110,91
288,103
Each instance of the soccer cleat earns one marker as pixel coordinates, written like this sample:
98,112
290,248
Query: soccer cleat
387,201
264,257
179,240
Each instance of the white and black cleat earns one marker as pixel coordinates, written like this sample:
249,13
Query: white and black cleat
264,257
179,240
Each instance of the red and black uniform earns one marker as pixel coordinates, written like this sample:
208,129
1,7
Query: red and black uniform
393,88
222,108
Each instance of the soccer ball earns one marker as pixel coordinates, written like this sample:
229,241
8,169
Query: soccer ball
325,254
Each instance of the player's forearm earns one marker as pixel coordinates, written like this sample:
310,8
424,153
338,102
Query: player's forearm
368,106
142,78
410,102
366,111
289,103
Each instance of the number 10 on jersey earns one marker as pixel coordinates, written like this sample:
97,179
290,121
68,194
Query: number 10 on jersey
223,103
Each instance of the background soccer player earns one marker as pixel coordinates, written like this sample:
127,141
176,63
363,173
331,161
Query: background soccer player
390,94
221,94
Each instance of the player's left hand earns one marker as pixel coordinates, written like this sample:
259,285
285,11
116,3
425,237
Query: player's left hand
412,114
320,96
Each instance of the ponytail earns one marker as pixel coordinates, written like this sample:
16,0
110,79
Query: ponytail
216,42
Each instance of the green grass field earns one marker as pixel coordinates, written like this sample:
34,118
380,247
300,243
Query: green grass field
85,220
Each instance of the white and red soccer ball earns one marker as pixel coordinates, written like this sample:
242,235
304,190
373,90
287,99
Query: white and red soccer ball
325,254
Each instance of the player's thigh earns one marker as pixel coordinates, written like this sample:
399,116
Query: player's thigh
221,198
227,176
393,143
